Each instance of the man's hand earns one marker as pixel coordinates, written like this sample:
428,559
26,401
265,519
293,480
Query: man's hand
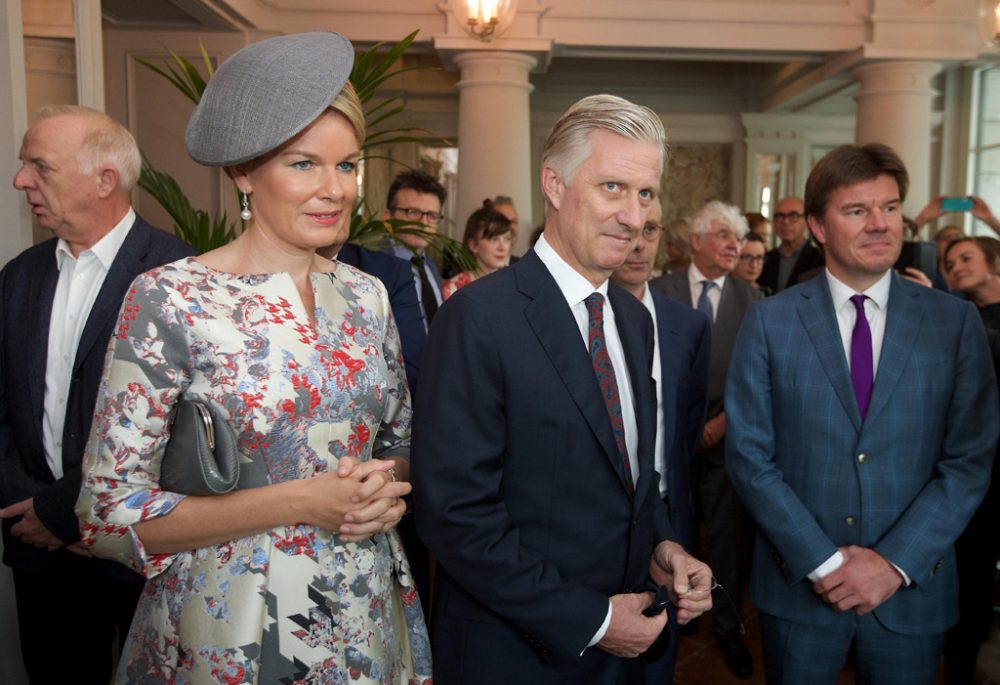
911,273
982,211
688,578
30,530
630,633
862,582
714,432
930,212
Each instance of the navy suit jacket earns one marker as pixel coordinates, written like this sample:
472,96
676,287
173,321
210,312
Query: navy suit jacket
27,288
518,487
685,336
397,276
904,481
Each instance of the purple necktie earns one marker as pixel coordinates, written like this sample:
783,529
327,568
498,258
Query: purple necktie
862,374
606,375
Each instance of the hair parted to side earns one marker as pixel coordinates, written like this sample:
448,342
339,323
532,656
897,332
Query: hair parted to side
848,165
415,180
349,104
106,143
728,215
568,142
486,222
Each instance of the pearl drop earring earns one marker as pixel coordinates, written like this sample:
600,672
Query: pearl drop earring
246,214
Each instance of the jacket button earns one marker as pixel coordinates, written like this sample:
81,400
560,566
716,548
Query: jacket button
862,458
850,520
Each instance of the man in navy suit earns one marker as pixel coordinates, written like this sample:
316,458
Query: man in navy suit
862,422
796,259
681,346
59,302
533,476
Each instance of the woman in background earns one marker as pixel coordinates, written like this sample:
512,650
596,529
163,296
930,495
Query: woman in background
751,261
972,266
489,235
298,575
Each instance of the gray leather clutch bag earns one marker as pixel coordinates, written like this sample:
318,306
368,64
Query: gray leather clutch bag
201,456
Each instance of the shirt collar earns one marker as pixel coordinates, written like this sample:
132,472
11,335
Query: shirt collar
841,292
105,249
695,277
574,287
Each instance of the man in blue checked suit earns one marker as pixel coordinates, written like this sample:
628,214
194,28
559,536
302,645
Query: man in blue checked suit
862,422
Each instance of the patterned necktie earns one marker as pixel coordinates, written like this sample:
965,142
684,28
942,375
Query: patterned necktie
606,375
427,297
705,304
862,367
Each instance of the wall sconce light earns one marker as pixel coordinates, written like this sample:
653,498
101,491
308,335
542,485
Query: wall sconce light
996,24
485,19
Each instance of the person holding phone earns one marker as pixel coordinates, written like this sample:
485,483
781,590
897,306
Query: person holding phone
943,204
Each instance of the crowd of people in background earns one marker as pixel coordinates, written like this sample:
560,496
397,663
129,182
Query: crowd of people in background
632,423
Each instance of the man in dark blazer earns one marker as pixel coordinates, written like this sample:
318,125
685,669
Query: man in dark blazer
533,478
716,232
796,259
682,343
59,302
862,416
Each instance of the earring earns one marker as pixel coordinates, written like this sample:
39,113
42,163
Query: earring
246,214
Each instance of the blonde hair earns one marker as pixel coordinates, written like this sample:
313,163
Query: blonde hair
349,104
568,143
106,143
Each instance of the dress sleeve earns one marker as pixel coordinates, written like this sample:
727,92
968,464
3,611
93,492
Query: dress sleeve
393,437
147,366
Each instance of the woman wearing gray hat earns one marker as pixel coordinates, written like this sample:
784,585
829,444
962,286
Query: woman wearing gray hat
298,575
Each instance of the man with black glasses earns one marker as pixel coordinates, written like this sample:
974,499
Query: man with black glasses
796,259
417,196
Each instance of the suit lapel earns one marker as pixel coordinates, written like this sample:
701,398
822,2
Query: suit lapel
816,313
43,286
556,329
129,263
902,326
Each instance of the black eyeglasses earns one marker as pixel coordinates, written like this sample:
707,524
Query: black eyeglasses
414,214
750,258
790,216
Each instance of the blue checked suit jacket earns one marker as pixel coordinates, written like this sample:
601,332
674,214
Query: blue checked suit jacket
795,440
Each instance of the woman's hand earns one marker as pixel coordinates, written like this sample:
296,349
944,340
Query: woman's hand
358,500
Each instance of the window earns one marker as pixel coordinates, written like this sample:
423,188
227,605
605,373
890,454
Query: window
985,148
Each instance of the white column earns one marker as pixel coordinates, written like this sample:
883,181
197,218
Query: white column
89,53
494,142
16,235
894,108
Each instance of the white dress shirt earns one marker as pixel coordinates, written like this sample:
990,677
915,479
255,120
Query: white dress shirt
695,278
575,288
80,279
875,311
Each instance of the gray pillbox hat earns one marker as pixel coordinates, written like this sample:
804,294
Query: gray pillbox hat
265,94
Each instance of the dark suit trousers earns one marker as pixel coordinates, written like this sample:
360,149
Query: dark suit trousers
729,536
68,614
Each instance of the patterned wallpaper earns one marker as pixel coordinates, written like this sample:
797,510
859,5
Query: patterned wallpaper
695,174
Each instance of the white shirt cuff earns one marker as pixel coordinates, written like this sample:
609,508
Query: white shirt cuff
599,635
906,578
827,567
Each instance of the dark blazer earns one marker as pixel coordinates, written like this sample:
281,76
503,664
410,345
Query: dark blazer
397,276
808,265
904,481
27,287
733,304
518,488
685,343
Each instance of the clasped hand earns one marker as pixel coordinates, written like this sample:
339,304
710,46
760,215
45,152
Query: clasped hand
862,582
630,633
357,500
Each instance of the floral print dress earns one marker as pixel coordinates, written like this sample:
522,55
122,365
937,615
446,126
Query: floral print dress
294,604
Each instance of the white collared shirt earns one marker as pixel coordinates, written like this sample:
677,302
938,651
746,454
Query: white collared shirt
80,280
575,288
695,278
875,311
659,454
